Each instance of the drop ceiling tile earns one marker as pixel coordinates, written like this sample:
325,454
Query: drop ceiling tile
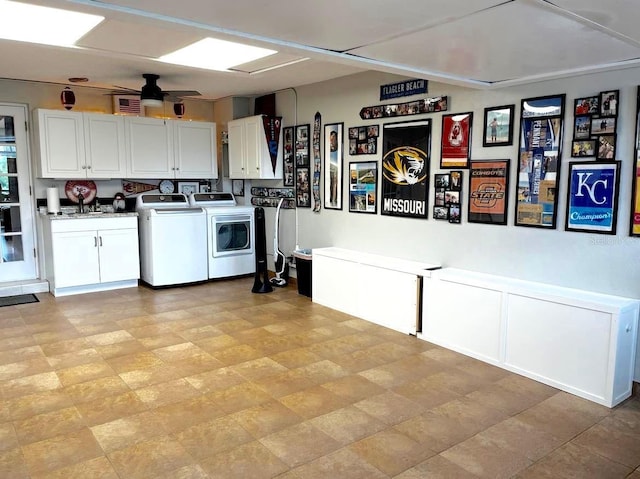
330,24
517,39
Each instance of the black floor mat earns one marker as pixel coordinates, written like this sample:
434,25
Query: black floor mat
18,299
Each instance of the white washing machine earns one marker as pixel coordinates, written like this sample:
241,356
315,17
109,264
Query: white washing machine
230,234
173,240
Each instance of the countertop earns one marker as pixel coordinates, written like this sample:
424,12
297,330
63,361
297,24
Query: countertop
80,216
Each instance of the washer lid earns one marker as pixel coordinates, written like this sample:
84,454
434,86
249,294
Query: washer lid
212,199
155,200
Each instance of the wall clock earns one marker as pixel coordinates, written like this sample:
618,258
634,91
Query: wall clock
166,187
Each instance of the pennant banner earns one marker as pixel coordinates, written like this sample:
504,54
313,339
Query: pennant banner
416,107
272,126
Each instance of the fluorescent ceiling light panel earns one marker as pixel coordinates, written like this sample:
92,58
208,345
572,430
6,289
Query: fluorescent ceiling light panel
213,54
51,26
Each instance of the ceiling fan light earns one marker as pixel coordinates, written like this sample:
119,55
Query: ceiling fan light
151,94
151,102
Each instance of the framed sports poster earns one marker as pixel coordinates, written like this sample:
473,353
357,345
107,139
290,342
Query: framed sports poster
634,226
455,149
488,191
303,189
288,160
592,197
363,187
539,161
333,166
405,168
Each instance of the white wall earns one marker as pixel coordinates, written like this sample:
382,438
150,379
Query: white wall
601,263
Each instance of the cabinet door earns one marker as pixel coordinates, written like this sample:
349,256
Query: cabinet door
237,149
75,258
195,149
149,148
119,257
104,144
254,138
61,137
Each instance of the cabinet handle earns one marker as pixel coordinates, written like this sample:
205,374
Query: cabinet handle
84,167
95,241
101,241
89,167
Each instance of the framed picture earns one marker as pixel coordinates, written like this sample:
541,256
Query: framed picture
609,103
363,187
333,165
237,187
288,156
455,181
606,145
302,145
303,189
586,106
582,127
603,125
581,148
498,125
592,196
363,140
488,191
455,143
188,187
454,213
539,160
404,174
634,217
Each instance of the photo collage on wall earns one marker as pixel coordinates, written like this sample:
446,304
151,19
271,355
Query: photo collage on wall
448,192
363,140
270,197
595,125
302,171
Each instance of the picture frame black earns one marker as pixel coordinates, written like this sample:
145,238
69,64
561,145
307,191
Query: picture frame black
606,147
582,127
583,148
333,161
363,187
363,140
592,196
634,216
609,103
589,105
603,125
488,192
539,161
455,140
237,187
303,188
498,126
288,156
301,148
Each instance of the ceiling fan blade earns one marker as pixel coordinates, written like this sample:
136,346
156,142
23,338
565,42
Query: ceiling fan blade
181,93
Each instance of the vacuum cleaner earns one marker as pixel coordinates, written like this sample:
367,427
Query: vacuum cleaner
282,268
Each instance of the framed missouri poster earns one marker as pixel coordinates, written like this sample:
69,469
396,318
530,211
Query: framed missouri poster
488,191
539,161
405,168
592,199
455,149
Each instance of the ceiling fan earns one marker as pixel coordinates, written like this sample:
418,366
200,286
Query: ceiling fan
152,95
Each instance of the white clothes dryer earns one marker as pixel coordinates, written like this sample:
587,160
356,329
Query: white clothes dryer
230,235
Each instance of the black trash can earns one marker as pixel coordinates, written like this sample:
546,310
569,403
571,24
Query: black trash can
304,270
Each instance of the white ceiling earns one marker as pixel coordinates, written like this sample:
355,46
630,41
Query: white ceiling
475,43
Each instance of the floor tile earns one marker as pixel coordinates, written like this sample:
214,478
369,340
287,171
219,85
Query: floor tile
166,393
8,438
250,460
110,408
61,451
12,464
348,424
84,372
391,451
612,439
266,418
436,467
299,444
389,407
219,435
47,425
340,464
98,468
313,402
181,415
27,385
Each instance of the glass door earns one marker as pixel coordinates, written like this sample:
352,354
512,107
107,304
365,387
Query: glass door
17,252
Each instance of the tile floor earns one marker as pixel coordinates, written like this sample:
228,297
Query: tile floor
212,381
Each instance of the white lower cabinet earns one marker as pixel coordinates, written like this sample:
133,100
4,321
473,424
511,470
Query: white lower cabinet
84,255
379,289
577,341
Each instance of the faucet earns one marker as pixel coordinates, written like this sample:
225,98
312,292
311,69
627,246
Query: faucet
80,203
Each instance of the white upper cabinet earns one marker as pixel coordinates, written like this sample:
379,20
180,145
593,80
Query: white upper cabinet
249,151
93,145
170,148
